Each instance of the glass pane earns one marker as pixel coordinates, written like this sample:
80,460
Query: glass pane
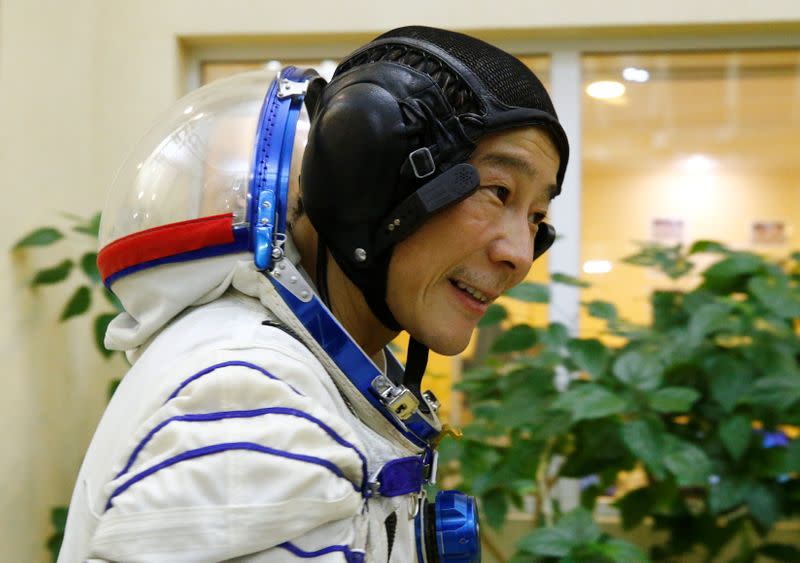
681,147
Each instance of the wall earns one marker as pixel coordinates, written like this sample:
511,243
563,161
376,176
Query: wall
80,79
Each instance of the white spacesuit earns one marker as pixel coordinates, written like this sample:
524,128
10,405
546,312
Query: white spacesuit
228,438
252,426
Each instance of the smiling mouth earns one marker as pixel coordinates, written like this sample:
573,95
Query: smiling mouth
476,294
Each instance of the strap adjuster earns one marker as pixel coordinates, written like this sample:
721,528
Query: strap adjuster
422,162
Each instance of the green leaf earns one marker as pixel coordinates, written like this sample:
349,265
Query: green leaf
779,391
53,275
569,280
590,355
58,517
556,336
780,461
89,266
112,387
614,550
690,465
646,441
494,314
763,505
638,369
667,309
495,507
113,299
780,552
518,337
588,401
530,292
100,326
726,494
792,459
730,379
707,319
725,275
578,523
669,259
708,246
776,295
672,399
549,542
43,236
91,227
735,434
635,506
602,310
78,304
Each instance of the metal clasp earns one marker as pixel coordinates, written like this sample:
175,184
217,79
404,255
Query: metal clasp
397,398
287,88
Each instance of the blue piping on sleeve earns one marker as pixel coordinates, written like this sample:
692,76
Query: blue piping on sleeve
223,365
218,448
350,555
249,414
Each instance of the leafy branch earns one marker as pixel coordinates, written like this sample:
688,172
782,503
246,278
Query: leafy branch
697,403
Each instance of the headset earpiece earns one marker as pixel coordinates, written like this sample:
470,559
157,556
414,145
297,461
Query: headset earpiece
545,236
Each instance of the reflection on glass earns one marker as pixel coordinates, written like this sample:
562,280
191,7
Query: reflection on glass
700,146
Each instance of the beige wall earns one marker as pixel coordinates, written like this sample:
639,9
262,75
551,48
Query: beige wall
80,79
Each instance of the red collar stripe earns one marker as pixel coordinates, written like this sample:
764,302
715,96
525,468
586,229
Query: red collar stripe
166,240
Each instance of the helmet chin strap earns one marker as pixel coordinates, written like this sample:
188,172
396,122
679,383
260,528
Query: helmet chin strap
322,272
417,359
416,362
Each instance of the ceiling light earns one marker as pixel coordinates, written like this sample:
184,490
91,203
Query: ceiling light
605,89
699,164
596,267
633,74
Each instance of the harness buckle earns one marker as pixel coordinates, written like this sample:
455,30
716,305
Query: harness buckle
397,398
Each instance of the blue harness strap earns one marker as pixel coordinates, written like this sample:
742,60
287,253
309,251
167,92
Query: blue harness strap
401,476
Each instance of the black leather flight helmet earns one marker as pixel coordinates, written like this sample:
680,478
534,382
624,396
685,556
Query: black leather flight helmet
389,139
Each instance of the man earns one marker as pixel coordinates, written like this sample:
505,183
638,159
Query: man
255,425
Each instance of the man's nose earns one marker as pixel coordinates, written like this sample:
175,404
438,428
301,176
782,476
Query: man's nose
513,245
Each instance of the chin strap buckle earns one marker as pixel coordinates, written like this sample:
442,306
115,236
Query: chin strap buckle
397,398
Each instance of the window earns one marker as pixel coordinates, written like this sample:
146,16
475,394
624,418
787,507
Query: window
681,147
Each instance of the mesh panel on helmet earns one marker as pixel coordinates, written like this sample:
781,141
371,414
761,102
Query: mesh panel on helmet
455,89
504,75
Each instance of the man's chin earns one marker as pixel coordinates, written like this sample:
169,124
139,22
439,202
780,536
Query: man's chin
448,346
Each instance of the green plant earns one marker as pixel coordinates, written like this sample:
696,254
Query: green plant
688,401
85,260
90,289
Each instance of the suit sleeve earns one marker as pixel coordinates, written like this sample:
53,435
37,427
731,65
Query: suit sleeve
235,461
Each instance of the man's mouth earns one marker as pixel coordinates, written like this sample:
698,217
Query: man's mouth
476,294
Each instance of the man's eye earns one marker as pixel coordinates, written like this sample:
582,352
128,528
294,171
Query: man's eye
500,192
536,218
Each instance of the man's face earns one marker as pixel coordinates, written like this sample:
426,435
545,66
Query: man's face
443,277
